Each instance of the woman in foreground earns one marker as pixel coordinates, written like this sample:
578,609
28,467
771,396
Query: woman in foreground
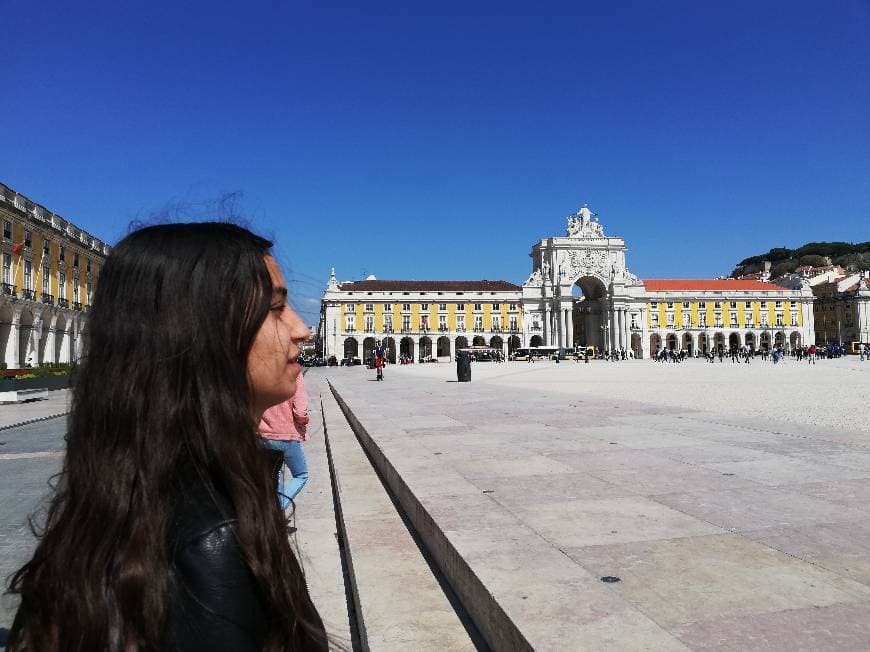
164,532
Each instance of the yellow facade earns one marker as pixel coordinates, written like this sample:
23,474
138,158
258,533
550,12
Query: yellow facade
790,311
356,308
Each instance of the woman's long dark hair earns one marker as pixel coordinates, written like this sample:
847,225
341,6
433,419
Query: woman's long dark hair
161,394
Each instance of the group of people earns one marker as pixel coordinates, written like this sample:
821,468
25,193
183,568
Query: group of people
164,530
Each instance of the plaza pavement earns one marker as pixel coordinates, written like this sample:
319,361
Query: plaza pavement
507,500
731,502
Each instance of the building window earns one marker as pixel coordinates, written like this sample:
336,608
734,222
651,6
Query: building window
28,239
46,279
370,307
388,323
478,306
687,317
442,323
76,261
349,325
654,319
478,323
28,275
779,304
512,306
718,320
633,320
702,319
7,269
442,306
732,317
75,289
61,253
7,229
654,305
496,323
46,249
748,304
370,324
406,307
779,321
406,324
670,319
348,307
89,289
424,322
718,305
460,306
496,306
460,322
670,305
514,324
764,318
388,307
424,307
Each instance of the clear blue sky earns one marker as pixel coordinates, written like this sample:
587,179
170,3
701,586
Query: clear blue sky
440,140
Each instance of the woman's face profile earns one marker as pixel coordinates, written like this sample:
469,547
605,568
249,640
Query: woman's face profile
272,365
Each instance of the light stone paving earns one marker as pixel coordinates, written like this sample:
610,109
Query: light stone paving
732,501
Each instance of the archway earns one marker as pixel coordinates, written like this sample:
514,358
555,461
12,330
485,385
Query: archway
795,340
590,312
406,348
734,341
750,341
536,341
513,343
351,348
496,342
479,340
25,331
369,345
443,347
655,344
703,344
636,346
425,348
60,336
719,342
390,345
671,341
687,343
461,343
765,340
43,356
779,339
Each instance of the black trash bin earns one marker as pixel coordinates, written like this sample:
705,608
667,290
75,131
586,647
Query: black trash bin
463,367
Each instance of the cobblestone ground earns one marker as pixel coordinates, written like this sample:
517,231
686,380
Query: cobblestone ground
29,456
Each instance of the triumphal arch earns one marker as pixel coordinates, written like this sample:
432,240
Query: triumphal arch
588,263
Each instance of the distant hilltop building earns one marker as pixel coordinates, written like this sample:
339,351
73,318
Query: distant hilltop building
617,310
842,301
50,270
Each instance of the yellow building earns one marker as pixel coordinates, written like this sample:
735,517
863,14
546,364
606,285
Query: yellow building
421,320
49,272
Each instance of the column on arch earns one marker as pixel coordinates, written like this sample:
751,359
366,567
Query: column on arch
620,319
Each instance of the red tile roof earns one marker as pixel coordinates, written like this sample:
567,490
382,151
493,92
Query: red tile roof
429,286
721,285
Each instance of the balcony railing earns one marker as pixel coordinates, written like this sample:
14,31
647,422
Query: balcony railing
9,289
48,298
28,294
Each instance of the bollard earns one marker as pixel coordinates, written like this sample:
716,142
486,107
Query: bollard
463,367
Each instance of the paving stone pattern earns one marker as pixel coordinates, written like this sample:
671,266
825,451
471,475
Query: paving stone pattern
727,531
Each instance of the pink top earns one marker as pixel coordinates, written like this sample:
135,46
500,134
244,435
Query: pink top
287,420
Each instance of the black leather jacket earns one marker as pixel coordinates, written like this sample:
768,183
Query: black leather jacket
214,602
